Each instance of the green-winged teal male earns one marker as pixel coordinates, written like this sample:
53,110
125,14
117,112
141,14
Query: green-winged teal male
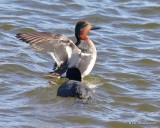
66,54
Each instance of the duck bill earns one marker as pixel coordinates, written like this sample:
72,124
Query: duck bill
95,28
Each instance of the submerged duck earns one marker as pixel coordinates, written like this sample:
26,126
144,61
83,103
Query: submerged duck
73,87
66,54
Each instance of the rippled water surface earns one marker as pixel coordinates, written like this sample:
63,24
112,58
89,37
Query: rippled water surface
125,79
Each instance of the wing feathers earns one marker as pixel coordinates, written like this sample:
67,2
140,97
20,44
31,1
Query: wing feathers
59,46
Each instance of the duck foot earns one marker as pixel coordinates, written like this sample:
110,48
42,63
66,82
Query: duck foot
53,75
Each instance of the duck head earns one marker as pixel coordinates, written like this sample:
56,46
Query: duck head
82,28
73,74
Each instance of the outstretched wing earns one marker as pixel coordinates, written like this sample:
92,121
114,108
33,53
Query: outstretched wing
59,46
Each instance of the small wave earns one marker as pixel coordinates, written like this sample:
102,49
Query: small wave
27,30
140,82
147,61
147,107
125,99
7,26
115,89
14,68
138,25
126,75
93,81
149,10
146,25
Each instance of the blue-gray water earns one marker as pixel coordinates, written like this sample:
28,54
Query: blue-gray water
125,79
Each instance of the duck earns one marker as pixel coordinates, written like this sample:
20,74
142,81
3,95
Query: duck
82,54
74,87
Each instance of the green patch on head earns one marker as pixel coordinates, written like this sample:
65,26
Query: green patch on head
79,26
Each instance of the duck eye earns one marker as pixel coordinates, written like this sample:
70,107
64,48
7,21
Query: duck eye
86,25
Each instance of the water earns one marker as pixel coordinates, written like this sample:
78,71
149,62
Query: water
125,79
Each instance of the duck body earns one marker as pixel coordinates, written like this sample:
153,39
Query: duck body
86,59
66,54
72,88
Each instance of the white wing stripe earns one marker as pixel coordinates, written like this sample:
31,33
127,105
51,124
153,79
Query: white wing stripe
53,56
85,54
69,51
